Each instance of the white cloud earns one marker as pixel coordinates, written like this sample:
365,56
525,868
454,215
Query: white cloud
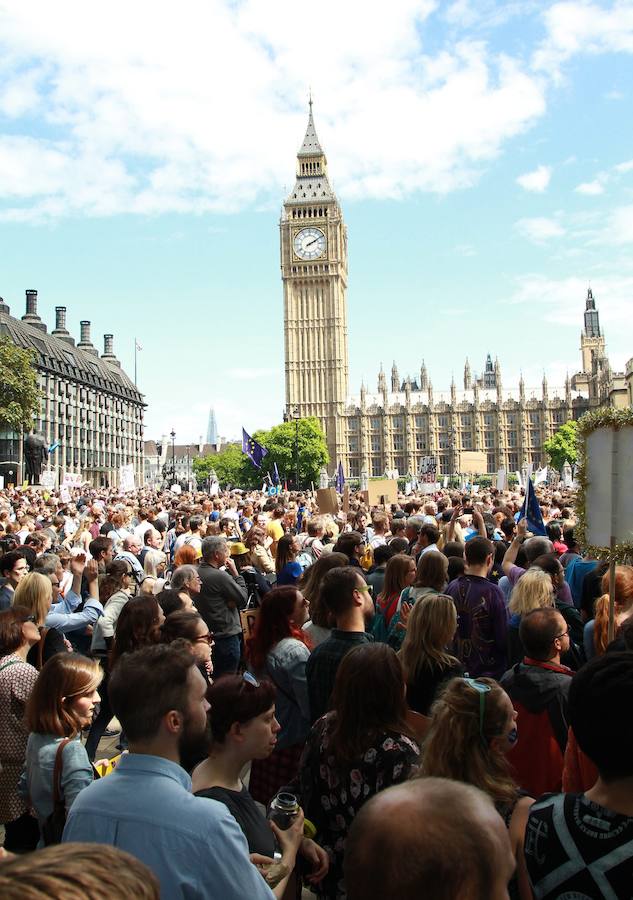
624,167
536,181
582,27
539,229
590,188
144,111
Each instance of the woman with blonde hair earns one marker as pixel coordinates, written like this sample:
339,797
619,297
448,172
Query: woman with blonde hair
424,656
472,730
596,632
532,591
60,706
35,593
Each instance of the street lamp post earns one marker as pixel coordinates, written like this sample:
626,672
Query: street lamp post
295,416
172,435
188,468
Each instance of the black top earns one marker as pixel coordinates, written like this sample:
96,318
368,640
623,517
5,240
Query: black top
576,848
322,666
422,691
248,816
53,643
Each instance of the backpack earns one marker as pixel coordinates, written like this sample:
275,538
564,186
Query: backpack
379,624
306,556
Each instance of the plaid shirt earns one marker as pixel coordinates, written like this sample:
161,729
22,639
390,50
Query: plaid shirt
322,666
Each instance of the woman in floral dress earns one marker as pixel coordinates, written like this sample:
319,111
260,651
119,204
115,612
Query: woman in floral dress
362,746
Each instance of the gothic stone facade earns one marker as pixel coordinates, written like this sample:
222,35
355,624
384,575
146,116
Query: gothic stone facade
89,405
404,420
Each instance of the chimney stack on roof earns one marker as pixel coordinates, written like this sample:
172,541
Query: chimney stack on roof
85,343
31,317
108,350
60,331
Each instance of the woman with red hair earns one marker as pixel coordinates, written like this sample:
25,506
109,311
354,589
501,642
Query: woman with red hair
278,650
596,637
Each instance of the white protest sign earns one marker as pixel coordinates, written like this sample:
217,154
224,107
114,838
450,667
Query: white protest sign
176,489
72,479
126,478
48,479
502,481
64,495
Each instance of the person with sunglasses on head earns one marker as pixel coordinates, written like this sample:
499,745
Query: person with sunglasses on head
145,806
473,729
243,729
539,687
18,633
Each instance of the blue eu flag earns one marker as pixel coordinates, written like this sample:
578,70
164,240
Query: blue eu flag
340,478
276,478
252,449
531,511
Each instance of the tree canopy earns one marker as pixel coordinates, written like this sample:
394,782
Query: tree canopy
235,468
19,393
561,447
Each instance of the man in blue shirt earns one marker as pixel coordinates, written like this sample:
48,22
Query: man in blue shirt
193,845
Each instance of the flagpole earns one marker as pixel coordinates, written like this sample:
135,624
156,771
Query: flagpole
135,346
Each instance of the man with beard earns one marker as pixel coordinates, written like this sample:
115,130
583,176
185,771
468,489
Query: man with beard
193,845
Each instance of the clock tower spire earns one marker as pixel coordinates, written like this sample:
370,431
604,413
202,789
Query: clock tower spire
313,239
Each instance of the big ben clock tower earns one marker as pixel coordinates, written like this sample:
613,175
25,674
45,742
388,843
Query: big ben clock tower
314,274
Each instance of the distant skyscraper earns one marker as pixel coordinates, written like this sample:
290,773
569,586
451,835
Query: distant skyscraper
212,429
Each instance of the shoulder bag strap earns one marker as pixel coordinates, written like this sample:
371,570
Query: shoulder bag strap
57,773
11,662
40,648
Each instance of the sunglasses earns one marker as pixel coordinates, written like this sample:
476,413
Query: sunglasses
250,679
206,638
482,690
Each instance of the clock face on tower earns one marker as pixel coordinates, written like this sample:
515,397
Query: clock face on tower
309,243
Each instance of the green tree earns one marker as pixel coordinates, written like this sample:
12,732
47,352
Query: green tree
20,396
562,445
230,465
234,467
280,443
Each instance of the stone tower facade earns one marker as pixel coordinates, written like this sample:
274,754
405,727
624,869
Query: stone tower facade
313,239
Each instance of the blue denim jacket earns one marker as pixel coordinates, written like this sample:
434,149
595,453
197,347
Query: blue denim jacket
286,668
36,780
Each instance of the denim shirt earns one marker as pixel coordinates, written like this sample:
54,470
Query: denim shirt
193,845
36,781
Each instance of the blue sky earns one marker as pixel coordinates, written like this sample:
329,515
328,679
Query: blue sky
482,153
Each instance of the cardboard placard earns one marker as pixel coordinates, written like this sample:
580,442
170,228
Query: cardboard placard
327,500
473,461
382,491
248,618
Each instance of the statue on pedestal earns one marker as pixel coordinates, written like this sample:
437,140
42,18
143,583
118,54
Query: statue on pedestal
35,455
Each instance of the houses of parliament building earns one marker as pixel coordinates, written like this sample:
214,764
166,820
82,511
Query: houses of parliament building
406,419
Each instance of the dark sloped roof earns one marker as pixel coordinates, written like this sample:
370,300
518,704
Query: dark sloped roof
63,359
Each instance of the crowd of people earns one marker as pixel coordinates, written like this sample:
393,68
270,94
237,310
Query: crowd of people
413,700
